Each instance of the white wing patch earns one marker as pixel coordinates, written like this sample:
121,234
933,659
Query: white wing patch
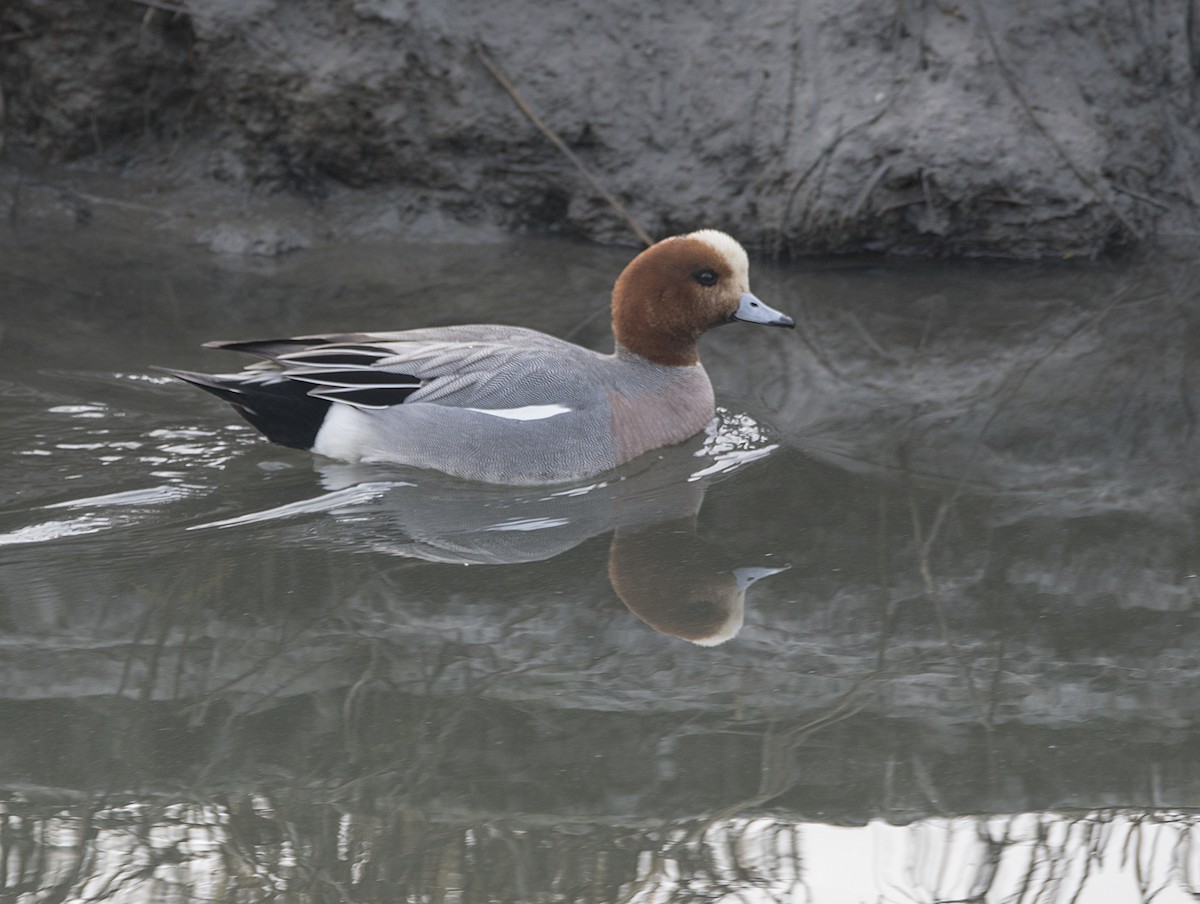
526,412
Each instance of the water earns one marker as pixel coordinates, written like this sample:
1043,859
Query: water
967,670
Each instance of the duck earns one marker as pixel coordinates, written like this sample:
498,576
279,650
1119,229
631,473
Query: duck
507,404
679,584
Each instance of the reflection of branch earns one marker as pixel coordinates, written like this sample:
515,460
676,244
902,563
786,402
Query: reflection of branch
166,608
775,779
1012,384
369,674
303,843
84,856
923,546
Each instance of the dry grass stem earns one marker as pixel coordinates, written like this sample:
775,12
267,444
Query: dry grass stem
608,196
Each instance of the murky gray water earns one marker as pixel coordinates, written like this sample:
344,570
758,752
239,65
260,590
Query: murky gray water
231,672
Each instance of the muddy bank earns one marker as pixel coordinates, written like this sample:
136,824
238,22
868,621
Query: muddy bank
928,128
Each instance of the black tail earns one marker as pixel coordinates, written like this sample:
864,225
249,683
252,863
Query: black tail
281,410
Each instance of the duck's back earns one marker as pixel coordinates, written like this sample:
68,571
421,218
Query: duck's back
516,406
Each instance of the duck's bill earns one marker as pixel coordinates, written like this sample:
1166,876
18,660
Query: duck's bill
748,575
752,310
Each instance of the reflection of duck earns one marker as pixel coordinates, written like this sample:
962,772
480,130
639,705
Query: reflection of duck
424,515
666,575
676,583
509,405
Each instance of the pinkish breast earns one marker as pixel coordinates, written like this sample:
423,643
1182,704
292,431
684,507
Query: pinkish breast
646,421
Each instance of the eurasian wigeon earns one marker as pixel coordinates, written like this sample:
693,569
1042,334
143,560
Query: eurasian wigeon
506,404
678,584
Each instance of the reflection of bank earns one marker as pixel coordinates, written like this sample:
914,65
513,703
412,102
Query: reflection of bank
266,845
1099,856
1079,385
665,573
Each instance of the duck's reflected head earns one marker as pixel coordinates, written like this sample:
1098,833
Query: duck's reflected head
679,585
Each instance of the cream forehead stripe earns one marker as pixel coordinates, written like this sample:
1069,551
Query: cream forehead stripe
729,248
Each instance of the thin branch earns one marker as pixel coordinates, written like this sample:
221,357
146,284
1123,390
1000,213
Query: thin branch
616,205
869,186
1154,202
1083,177
165,7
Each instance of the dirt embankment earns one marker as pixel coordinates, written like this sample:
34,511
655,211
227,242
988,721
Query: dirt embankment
930,127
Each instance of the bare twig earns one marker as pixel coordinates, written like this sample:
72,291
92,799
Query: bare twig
874,179
187,112
14,203
1154,202
111,202
822,158
1083,177
616,205
165,7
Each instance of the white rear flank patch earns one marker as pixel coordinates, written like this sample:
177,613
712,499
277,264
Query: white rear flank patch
525,413
345,432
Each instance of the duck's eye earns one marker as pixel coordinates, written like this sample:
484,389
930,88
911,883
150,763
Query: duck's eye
706,277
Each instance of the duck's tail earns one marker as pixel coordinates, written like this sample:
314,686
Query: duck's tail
278,408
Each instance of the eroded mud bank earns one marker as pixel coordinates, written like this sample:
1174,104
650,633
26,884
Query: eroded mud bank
999,129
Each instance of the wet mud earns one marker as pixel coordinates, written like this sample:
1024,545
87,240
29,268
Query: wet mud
923,128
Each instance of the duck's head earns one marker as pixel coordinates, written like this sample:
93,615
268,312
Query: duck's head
678,584
678,289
